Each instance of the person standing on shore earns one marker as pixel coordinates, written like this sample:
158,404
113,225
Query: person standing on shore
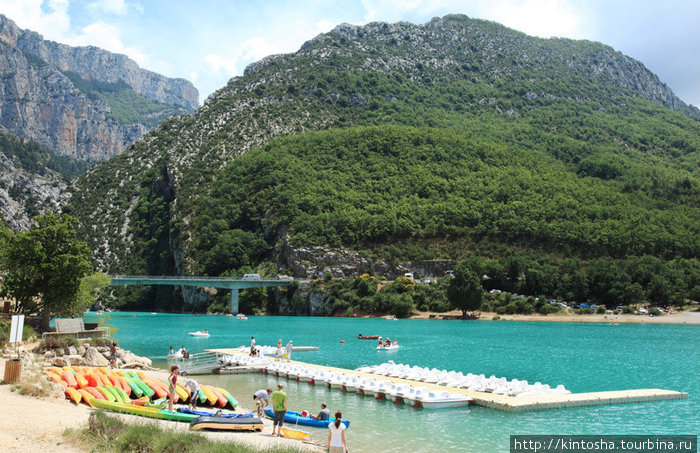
113,355
279,406
288,352
261,398
172,383
336,435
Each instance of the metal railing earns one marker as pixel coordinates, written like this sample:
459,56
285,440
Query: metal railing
196,363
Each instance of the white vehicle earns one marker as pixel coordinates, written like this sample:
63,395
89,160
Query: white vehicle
251,277
408,275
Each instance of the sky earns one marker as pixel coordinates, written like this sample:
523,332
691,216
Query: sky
210,41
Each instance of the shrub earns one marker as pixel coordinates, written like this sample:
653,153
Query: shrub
655,311
402,305
496,318
601,310
584,311
628,310
549,308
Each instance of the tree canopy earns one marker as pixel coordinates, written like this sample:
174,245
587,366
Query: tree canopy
44,267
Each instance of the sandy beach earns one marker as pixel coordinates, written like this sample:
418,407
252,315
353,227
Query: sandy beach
37,424
682,317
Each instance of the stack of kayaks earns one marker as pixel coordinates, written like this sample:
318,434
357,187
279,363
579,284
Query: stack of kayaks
132,392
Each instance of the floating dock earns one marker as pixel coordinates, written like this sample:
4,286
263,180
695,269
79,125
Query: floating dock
510,403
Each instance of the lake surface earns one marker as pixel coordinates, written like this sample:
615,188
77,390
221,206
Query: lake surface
583,356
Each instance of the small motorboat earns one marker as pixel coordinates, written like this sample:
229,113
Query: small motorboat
200,333
226,423
368,337
388,348
241,317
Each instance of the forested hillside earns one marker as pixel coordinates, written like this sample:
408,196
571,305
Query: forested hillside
440,141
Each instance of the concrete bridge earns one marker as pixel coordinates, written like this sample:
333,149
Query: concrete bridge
234,284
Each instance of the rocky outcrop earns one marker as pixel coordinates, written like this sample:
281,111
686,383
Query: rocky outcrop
24,194
40,102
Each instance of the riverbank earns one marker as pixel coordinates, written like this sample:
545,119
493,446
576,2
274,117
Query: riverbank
682,317
36,424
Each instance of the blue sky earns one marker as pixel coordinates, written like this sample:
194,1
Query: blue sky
210,41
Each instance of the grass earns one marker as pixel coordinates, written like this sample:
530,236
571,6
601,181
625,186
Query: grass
109,434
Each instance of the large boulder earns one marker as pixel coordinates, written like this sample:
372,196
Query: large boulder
94,358
75,359
81,350
72,350
133,358
48,355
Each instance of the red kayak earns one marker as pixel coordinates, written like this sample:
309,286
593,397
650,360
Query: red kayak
367,337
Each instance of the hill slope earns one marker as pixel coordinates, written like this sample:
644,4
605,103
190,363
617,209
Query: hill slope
612,145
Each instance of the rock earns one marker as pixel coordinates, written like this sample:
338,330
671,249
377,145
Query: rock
72,350
94,358
59,352
103,349
60,362
81,350
75,359
132,358
48,355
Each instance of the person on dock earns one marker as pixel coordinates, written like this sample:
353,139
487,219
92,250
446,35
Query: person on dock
261,398
323,414
113,354
279,407
172,383
194,392
336,436
288,351
278,351
252,342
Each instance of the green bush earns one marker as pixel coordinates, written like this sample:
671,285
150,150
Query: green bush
584,311
601,310
549,308
655,311
628,310
402,305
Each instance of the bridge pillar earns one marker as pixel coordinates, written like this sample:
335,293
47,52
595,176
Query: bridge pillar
233,305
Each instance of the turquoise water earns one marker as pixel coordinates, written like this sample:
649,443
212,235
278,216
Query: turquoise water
582,356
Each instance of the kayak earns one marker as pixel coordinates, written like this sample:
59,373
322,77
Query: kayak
295,433
213,414
226,424
367,337
143,411
295,418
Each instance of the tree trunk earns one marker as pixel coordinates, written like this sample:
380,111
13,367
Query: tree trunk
45,318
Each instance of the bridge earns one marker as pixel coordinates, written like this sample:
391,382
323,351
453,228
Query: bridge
234,284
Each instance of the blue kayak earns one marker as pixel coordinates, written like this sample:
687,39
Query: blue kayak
213,414
295,418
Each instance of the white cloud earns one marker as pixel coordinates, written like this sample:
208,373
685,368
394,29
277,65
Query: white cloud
251,50
53,22
118,7
324,26
108,37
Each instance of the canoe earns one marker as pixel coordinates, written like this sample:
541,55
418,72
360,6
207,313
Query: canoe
295,418
221,399
53,376
140,401
144,388
144,411
231,400
135,389
181,393
202,397
70,379
368,337
213,414
226,424
80,379
73,395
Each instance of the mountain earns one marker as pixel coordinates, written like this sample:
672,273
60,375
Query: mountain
82,102
436,141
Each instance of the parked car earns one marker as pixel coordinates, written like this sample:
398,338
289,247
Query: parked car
642,311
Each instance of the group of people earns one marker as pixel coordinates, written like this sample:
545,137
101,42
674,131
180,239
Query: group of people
387,342
182,352
283,353
336,430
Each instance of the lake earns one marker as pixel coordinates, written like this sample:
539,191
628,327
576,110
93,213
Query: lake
583,357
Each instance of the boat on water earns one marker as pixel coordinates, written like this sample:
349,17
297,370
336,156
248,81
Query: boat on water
199,333
438,400
226,423
241,317
368,337
295,418
388,348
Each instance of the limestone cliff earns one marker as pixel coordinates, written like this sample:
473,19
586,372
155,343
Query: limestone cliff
80,101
